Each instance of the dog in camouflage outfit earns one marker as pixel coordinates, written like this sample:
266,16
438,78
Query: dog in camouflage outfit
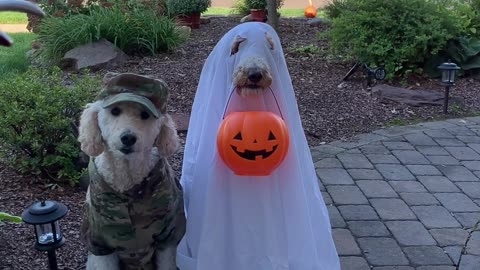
133,216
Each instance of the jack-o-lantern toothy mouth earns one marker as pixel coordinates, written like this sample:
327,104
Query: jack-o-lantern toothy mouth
252,155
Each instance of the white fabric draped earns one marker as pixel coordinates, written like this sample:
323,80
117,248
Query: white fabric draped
276,222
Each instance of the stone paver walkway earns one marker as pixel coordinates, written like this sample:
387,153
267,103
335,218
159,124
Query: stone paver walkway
405,198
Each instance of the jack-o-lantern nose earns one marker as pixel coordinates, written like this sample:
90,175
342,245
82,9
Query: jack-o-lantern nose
255,141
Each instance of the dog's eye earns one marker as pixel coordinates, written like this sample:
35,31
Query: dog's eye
144,115
116,111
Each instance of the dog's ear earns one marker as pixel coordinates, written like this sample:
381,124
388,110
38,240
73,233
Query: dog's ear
167,141
89,134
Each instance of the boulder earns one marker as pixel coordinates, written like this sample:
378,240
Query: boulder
317,21
415,98
95,56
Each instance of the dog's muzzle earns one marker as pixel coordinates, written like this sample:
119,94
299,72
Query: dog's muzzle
128,140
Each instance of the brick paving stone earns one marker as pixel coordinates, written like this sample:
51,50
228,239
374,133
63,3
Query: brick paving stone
458,173
354,161
461,131
435,217
472,165
450,237
407,186
469,139
334,177
336,220
320,185
410,233
419,139
413,199
353,263
454,252
346,195
328,163
423,170
407,157
354,151
469,262
394,268
475,146
468,220
439,133
477,173
328,149
365,174
382,159
437,183
345,243
382,251
473,245
457,202
398,146
432,150
438,125
367,228
395,172
326,198
463,153
449,142
358,212
436,267
443,160
427,255
374,149
376,189
392,209
472,189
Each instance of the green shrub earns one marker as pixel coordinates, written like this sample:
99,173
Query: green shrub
243,7
139,31
38,113
186,7
398,34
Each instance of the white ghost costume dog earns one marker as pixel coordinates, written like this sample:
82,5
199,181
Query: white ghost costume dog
275,222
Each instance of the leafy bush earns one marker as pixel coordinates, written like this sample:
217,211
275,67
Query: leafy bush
400,35
243,7
139,31
463,49
186,7
38,112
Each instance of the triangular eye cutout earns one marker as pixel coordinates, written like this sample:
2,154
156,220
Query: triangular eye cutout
238,136
271,137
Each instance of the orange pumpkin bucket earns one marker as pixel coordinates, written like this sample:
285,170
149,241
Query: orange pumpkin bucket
253,143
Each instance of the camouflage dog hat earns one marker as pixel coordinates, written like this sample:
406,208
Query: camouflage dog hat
128,87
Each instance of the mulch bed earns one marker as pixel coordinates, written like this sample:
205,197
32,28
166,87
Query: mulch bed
330,110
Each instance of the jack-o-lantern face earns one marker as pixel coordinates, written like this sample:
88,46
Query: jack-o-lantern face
253,143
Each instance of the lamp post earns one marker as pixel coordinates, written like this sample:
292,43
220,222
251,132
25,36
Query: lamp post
448,70
45,216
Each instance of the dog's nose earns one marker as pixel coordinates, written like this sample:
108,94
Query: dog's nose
128,139
255,77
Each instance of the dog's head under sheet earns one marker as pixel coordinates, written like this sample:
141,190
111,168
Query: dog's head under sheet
129,117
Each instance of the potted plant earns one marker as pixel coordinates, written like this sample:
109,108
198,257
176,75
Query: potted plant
258,10
188,11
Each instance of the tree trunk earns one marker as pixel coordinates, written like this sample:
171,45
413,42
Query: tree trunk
272,14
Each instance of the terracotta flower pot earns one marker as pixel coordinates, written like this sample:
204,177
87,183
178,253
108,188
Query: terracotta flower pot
191,20
258,15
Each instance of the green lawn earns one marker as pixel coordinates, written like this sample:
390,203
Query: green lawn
13,59
13,18
285,12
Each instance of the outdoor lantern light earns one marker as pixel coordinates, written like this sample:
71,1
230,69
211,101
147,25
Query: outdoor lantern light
448,79
44,216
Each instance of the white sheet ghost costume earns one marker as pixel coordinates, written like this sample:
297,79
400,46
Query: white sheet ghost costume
275,222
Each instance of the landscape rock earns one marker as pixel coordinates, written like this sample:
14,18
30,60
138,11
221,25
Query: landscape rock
415,98
247,18
317,21
95,56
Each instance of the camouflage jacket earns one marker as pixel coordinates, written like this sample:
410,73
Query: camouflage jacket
135,223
